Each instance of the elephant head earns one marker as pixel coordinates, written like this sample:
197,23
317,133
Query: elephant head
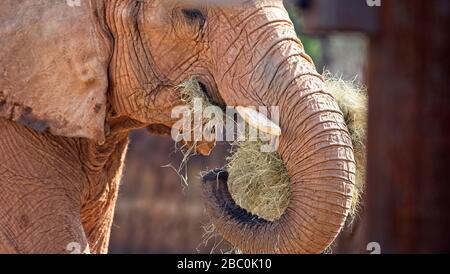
72,69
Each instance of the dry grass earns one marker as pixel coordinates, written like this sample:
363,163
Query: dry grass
352,100
189,91
259,182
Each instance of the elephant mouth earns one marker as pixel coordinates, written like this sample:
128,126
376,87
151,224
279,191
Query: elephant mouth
209,88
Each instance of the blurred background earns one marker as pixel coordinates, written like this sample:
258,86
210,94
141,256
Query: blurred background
399,49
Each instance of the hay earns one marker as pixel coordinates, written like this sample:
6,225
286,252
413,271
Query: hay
211,237
352,100
189,90
259,182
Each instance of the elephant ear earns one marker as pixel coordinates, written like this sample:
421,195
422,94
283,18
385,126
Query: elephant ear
54,58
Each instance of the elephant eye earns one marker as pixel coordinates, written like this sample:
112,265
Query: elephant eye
194,15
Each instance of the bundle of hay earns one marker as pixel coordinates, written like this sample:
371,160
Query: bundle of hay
189,91
353,102
259,182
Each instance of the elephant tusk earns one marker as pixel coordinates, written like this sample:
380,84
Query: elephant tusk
259,121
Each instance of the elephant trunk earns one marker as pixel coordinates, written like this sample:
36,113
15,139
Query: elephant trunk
315,147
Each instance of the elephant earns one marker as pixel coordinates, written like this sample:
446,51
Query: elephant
77,76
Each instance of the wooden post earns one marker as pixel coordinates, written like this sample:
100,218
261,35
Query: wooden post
408,194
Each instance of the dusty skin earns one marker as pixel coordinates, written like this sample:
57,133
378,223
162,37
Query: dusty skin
75,80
